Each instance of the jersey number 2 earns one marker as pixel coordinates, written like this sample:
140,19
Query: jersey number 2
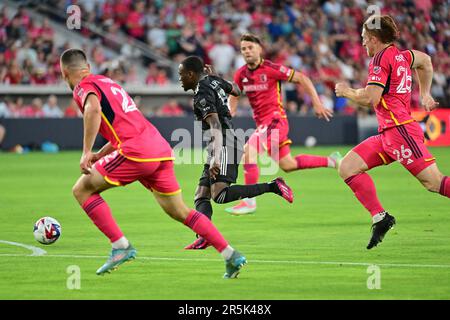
128,104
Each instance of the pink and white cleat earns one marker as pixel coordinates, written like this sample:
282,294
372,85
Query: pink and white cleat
246,206
199,244
284,190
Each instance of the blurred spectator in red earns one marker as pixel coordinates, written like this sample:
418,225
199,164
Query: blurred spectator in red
39,76
171,109
34,110
156,75
14,74
136,20
72,110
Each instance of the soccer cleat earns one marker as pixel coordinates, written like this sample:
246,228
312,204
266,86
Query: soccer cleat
380,229
337,158
234,265
199,244
117,257
283,189
242,208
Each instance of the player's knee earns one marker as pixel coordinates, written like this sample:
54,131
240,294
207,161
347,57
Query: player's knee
77,191
288,166
347,169
219,195
201,199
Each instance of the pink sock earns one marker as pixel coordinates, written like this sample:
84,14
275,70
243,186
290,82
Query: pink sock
202,226
306,161
445,187
100,213
364,189
251,173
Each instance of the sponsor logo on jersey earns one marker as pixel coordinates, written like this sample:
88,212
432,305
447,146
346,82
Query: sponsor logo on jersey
400,58
256,87
376,69
263,77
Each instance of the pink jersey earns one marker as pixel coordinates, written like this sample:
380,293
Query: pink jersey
122,123
391,70
263,89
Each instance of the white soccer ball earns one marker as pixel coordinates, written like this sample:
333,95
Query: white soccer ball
310,141
47,230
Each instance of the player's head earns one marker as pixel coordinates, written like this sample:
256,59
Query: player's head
251,48
74,66
190,70
377,32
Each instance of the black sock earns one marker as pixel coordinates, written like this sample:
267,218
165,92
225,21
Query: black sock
203,205
237,192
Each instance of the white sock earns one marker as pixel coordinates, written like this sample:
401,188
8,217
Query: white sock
250,201
331,163
122,243
227,252
378,217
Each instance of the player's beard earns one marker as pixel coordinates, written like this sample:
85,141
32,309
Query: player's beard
252,61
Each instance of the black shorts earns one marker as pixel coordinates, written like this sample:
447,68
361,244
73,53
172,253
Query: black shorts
229,167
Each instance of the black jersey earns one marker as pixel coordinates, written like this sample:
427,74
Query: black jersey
211,96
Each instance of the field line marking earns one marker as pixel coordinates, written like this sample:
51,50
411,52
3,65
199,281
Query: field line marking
292,262
35,250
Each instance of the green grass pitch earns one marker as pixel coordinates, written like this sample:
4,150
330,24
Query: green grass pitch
312,249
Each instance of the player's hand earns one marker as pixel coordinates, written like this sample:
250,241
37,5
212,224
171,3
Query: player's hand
95,157
340,89
86,162
209,69
429,103
322,113
214,168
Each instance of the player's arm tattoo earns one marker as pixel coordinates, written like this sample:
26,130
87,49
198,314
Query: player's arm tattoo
235,91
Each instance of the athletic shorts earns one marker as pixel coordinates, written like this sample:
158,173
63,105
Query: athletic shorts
229,167
272,137
404,144
155,176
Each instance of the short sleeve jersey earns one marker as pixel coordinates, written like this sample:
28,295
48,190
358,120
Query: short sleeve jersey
262,86
122,123
390,69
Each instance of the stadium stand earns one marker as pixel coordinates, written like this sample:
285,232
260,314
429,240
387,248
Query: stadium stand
325,44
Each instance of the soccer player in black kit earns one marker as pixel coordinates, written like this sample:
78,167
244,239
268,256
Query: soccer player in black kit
225,149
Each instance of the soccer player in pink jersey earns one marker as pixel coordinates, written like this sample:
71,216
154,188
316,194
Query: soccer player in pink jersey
260,79
135,152
400,138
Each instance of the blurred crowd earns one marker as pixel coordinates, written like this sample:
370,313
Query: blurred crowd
17,108
320,38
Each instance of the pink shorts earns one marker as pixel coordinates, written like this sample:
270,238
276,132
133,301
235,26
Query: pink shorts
404,144
155,176
272,137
